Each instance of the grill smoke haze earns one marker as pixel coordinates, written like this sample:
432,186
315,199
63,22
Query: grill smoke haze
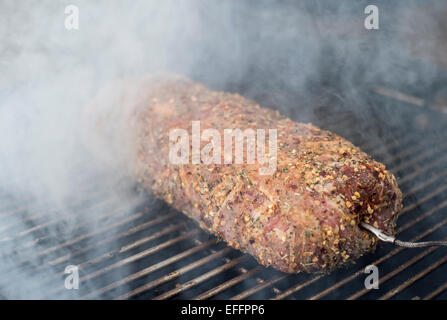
273,52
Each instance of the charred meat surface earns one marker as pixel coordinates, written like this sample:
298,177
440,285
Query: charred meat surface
304,217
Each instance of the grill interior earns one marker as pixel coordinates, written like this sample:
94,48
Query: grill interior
153,252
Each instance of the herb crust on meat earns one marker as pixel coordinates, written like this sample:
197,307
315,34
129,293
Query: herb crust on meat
304,217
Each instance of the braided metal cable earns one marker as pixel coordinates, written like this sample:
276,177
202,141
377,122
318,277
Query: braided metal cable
407,244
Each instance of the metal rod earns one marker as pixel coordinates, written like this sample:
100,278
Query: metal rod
257,288
230,264
396,271
412,280
399,96
162,264
147,252
110,254
297,287
173,275
437,292
121,235
116,213
227,284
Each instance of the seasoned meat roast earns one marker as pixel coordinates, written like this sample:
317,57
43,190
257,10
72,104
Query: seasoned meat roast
303,217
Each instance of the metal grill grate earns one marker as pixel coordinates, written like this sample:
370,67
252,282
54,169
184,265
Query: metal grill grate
160,254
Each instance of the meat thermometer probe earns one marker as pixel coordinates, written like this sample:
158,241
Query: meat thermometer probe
385,237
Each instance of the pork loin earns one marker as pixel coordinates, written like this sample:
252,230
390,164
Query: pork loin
303,217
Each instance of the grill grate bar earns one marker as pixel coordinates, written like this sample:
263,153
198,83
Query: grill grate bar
42,212
264,284
383,146
91,190
132,258
9,205
164,263
212,292
412,280
121,235
426,168
90,234
201,278
297,287
416,159
382,149
437,292
122,262
399,96
149,251
395,272
61,219
413,149
427,214
424,200
425,184
104,241
78,239
110,254
401,156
